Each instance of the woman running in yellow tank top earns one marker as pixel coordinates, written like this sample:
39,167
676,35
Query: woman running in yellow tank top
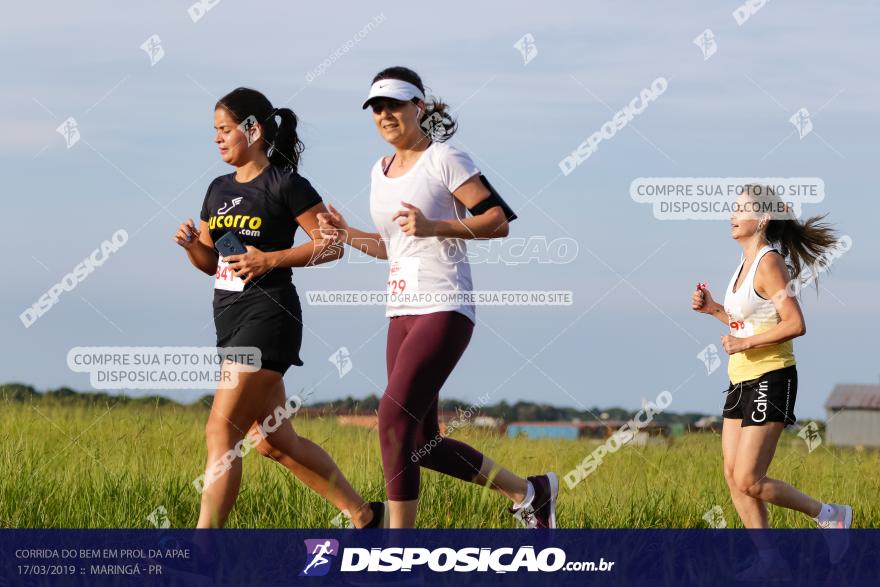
764,319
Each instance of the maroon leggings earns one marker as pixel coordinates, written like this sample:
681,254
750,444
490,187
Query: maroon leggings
422,351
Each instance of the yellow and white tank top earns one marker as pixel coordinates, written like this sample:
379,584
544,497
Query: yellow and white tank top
749,314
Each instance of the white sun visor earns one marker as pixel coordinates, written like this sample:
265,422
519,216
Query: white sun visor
393,88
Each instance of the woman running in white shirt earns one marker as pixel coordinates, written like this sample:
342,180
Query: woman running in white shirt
419,199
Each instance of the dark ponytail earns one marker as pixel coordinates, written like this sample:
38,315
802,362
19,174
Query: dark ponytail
437,122
280,142
803,244
285,146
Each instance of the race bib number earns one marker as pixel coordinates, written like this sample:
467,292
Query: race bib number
740,328
403,278
226,278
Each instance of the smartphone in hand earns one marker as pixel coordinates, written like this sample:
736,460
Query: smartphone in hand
229,244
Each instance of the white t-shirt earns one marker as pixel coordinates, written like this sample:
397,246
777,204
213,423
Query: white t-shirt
426,274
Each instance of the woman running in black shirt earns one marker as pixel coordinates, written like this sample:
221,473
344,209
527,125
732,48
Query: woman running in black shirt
256,305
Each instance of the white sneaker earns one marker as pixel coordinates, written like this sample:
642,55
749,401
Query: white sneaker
838,542
840,519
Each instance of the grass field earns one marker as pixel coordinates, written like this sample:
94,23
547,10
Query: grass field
62,468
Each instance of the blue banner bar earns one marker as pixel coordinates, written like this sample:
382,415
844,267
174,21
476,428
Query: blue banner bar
439,557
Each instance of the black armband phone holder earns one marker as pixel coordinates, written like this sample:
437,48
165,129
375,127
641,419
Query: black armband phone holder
493,200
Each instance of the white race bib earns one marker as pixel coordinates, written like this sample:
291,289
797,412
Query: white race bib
739,328
403,279
226,278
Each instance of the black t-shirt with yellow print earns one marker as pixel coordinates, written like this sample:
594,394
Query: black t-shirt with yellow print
262,213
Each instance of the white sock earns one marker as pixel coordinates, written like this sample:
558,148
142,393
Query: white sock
826,513
530,495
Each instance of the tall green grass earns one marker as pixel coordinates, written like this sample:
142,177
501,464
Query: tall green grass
95,467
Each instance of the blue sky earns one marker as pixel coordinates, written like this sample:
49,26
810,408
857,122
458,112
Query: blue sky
146,157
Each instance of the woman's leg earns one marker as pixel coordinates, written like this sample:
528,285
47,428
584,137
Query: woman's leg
488,474
422,352
232,413
501,480
752,511
309,462
757,445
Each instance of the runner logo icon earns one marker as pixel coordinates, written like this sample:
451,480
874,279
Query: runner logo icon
317,553
223,209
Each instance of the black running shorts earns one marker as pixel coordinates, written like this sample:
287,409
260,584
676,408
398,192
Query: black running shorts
270,320
769,398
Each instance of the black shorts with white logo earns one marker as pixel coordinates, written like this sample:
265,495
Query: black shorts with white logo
769,398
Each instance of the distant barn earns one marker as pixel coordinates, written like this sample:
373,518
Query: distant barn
853,415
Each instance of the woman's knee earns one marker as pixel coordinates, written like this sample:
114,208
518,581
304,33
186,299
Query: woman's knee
747,482
220,433
264,448
395,417
729,477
